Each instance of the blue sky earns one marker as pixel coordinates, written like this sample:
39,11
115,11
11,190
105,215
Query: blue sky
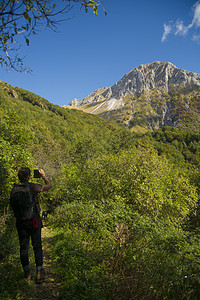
90,52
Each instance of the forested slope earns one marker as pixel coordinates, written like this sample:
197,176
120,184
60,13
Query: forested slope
49,136
125,211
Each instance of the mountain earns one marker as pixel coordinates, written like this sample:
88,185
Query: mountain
148,97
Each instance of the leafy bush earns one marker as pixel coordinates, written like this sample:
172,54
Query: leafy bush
99,256
140,178
116,211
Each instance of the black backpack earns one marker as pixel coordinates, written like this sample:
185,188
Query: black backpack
22,201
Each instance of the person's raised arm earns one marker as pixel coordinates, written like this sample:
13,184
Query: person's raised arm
48,184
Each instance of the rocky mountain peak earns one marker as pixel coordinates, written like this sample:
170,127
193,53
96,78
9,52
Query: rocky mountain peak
143,78
151,76
144,97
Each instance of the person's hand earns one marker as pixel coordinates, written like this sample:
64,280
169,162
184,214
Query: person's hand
47,185
42,173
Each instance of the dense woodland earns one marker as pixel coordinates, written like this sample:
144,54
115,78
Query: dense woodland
125,206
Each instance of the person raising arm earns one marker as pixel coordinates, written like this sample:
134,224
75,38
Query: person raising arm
48,184
31,225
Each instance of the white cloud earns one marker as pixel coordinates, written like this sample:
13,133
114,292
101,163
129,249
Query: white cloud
196,38
167,30
178,27
196,18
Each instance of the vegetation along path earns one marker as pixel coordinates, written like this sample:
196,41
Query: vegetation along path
16,287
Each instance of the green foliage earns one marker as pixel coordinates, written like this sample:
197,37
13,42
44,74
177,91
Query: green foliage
139,118
158,262
125,210
99,256
116,211
179,145
13,152
79,260
139,177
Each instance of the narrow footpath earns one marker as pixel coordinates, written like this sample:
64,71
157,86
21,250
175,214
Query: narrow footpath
48,289
14,286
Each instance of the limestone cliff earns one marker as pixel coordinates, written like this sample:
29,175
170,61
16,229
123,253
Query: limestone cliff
142,94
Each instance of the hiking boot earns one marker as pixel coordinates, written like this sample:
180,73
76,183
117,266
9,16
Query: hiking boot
27,275
40,276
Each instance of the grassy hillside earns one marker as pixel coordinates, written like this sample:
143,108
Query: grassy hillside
125,206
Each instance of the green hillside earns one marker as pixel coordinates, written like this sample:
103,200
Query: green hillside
125,206
53,135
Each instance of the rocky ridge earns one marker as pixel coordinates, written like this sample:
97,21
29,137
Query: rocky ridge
141,79
137,86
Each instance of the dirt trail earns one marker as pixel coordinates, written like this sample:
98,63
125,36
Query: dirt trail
14,286
49,289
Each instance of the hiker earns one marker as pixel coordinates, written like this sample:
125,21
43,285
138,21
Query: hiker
28,221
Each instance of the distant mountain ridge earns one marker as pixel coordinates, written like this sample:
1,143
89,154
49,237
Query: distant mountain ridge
143,78
144,91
